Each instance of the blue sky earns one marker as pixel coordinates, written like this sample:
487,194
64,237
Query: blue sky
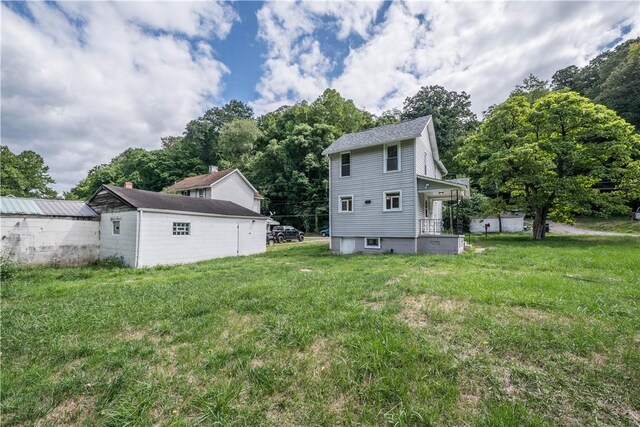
82,81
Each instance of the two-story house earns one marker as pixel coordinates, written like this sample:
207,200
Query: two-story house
229,184
386,191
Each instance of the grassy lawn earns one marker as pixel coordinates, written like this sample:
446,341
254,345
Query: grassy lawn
524,333
618,225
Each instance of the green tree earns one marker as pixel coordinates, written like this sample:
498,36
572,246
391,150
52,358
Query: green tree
452,117
549,157
24,175
532,87
237,140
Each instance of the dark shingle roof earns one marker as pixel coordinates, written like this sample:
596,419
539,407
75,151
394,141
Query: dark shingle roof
141,199
380,135
45,207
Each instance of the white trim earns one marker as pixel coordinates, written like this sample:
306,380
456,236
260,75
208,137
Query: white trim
384,157
169,211
384,201
340,203
372,247
330,212
340,161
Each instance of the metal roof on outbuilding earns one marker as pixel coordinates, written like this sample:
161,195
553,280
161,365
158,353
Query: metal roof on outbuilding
380,135
45,207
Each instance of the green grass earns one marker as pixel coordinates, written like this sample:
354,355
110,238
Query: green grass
617,224
525,333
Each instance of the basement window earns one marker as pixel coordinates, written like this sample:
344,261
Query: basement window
115,227
372,243
181,228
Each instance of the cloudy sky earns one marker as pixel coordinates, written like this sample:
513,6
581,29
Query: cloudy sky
82,81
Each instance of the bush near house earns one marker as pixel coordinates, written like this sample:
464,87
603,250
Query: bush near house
524,333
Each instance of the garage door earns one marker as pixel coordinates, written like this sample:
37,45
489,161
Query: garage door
348,245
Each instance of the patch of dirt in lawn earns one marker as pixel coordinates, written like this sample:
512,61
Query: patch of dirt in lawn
396,280
131,334
413,312
338,404
68,411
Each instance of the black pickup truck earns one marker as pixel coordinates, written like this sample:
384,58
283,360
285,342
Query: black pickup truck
286,233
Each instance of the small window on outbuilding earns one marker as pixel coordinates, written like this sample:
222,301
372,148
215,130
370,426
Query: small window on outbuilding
115,227
181,228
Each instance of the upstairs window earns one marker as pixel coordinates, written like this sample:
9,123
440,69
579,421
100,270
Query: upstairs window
345,164
426,163
181,228
392,158
345,204
393,200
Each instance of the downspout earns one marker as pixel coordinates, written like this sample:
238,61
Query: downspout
330,215
238,239
139,226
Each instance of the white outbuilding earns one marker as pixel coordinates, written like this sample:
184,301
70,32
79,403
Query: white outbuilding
60,232
507,222
145,228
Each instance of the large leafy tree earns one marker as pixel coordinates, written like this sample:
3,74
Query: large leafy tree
452,116
549,157
237,141
24,175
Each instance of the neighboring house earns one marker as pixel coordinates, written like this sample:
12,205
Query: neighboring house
507,222
37,231
386,191
145,228
229,184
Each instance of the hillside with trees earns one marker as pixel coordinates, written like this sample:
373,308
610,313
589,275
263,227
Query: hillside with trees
572,132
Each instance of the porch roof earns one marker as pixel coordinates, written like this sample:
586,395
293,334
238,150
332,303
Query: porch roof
443,189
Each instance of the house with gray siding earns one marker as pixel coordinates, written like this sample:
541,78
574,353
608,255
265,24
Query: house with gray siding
386,190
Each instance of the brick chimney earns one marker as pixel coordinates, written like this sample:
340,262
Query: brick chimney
128,184
213,168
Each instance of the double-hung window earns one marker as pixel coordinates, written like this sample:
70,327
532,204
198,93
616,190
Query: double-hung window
181,228
392,157
345,204
392,200
200,193
345,164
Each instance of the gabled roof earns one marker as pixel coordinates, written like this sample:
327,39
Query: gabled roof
141,199
45,207
380,135
208,180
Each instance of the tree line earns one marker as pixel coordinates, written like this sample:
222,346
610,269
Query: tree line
554,149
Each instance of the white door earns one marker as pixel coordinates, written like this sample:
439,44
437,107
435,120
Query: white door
348,245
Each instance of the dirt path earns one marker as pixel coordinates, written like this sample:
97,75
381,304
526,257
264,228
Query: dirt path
570,230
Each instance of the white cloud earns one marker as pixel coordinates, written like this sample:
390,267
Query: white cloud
483,48
86,80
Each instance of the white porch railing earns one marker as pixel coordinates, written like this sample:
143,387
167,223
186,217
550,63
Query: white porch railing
430,226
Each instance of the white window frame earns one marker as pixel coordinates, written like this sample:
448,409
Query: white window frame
342,154
384,201
426,161
113,227
201,193
177,232
367,246
384,157
340,203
